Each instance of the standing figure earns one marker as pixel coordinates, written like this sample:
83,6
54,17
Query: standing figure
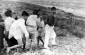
32,26
49,29
40,28
18,31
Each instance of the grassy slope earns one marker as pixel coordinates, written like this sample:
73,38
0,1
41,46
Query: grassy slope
65,23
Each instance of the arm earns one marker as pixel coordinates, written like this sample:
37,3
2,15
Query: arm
23,28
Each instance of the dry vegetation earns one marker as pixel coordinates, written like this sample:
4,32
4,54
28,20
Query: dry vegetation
69,28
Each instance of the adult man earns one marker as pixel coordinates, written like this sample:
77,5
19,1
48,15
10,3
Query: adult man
49,30
18,30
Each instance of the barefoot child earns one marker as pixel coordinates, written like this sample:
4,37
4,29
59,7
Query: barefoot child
40,29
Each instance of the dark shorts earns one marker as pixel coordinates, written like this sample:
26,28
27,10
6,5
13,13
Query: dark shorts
39,37
12,41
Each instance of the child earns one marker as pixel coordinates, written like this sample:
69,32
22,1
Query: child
40,28
40,35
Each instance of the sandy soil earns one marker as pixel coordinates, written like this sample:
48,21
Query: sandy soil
67,45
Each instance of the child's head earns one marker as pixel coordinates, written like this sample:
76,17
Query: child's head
8,13
36,12
25,14
53,9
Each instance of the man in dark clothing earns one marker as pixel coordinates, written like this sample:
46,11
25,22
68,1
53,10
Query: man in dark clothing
49,29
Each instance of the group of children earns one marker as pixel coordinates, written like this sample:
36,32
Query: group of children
17,31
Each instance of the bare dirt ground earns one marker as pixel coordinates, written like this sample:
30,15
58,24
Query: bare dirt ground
66,45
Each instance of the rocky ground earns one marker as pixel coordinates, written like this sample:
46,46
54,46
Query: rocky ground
69,28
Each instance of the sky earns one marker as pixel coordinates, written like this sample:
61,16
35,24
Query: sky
76,1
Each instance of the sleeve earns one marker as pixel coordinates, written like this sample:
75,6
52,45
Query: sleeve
23,28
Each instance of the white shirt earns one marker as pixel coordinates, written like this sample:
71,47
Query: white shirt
40,23
31,20
17,29
8,21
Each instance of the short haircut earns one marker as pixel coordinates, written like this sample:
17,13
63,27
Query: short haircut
24,13
8,13
35,12
53,8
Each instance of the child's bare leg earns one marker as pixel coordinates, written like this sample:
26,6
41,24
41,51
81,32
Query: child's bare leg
42,41
24,42
37,41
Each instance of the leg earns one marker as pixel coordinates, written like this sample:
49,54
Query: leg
30,44
53,35
42,40
24,41
31,37
6,38
35,35
47,36
38,41
20,44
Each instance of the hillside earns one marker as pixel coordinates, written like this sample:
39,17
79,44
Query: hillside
69,28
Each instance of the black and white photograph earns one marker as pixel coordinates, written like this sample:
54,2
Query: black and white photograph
42,27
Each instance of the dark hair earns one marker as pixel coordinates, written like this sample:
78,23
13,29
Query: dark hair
8,13
24,13
35,12
53,8
16,18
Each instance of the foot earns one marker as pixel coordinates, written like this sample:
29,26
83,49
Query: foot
54,44
46,47
38,47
